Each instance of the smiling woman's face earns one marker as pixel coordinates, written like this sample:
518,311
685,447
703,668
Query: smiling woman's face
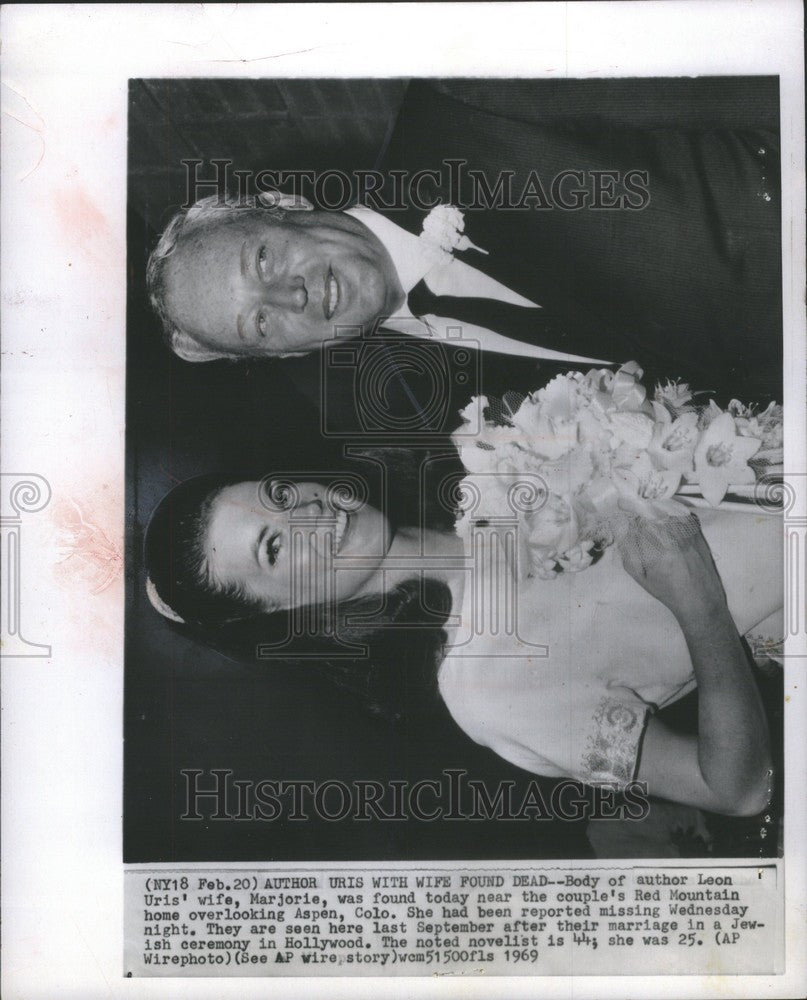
285,556
246,284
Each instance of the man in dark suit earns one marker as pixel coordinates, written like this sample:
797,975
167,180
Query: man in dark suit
653,228
642,216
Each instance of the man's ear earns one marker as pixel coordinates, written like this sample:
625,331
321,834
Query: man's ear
188,349
288,202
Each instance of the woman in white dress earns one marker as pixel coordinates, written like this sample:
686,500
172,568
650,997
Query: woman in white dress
559,676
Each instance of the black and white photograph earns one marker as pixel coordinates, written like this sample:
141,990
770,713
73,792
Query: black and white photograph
433,509
389,572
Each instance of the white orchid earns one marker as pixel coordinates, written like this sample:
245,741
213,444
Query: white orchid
673,395
766,427
550,436
738,409
771,422
562,398
472,416
708,414
632,429
567,475
554,527
593,449
721,458
647,491
674,440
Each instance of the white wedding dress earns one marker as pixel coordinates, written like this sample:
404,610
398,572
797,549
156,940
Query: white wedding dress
558,676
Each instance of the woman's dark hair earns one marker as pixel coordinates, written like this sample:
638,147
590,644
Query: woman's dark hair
175,559
358,643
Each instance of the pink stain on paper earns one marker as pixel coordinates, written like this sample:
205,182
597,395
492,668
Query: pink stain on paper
79,216
88,556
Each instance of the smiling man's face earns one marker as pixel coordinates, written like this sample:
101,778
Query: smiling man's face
249,285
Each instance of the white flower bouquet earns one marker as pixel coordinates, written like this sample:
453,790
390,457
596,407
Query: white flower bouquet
595,450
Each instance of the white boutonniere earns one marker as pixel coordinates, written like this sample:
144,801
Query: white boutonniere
444,231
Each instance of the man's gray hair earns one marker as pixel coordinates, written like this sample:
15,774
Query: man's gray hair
212,208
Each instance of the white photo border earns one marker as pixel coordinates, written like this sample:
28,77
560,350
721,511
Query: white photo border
65,80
